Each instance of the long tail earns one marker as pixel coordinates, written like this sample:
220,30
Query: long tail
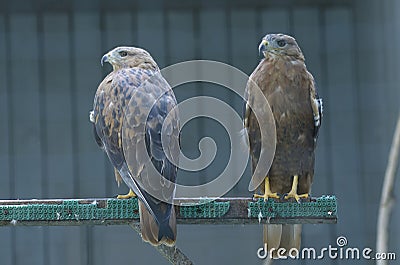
281,236
155,234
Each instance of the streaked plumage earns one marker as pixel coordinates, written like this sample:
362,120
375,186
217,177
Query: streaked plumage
290,90
128,127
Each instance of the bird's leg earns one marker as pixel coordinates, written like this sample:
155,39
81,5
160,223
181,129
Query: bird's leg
118,177
130,194
267,191
293,192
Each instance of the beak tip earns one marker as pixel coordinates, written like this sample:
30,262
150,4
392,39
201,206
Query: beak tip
104,59
262,47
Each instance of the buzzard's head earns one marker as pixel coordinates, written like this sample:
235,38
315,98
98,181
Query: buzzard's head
129,57
280,45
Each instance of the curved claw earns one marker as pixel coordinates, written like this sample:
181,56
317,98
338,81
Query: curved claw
130,194
267,192
267,195
293,192
295,196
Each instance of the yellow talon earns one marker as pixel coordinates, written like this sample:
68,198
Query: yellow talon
130,194
293,192
267,192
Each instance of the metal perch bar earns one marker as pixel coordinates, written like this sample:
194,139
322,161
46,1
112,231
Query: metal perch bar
189,211
112,211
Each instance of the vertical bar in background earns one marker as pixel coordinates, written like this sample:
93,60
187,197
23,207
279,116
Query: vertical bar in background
74,104
57,90
181,38
394,39
119,29
25,108
181,47
57,105
306,32
274,20
213,36
64,246
87,73
151,34
5,192
326,131
212,42
43,127
244,40
342,117
389,51
375,125
371,81
87,55
6,244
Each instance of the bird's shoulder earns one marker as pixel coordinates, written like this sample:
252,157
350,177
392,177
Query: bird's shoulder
120,84
105,85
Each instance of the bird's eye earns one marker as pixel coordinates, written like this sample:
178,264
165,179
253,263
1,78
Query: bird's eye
123,53
281,43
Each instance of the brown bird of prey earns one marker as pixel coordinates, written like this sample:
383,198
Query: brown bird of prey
132,105
290,90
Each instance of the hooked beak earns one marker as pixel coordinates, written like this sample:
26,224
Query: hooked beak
262,47
104,59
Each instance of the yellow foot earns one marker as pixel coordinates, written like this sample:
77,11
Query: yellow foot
296,196
267,192
293,191
266,196
130,194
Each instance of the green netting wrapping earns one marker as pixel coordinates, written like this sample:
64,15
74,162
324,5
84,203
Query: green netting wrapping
204,209
322,207
71,210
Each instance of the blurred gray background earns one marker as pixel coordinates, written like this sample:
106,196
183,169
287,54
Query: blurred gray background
50,68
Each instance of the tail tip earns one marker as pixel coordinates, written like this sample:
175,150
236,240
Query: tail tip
166,233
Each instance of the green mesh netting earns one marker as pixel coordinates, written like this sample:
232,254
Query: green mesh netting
322,207
71,210
204,209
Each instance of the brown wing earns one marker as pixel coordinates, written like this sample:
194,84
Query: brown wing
260,126
251,125
129,110
151,141
108,115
